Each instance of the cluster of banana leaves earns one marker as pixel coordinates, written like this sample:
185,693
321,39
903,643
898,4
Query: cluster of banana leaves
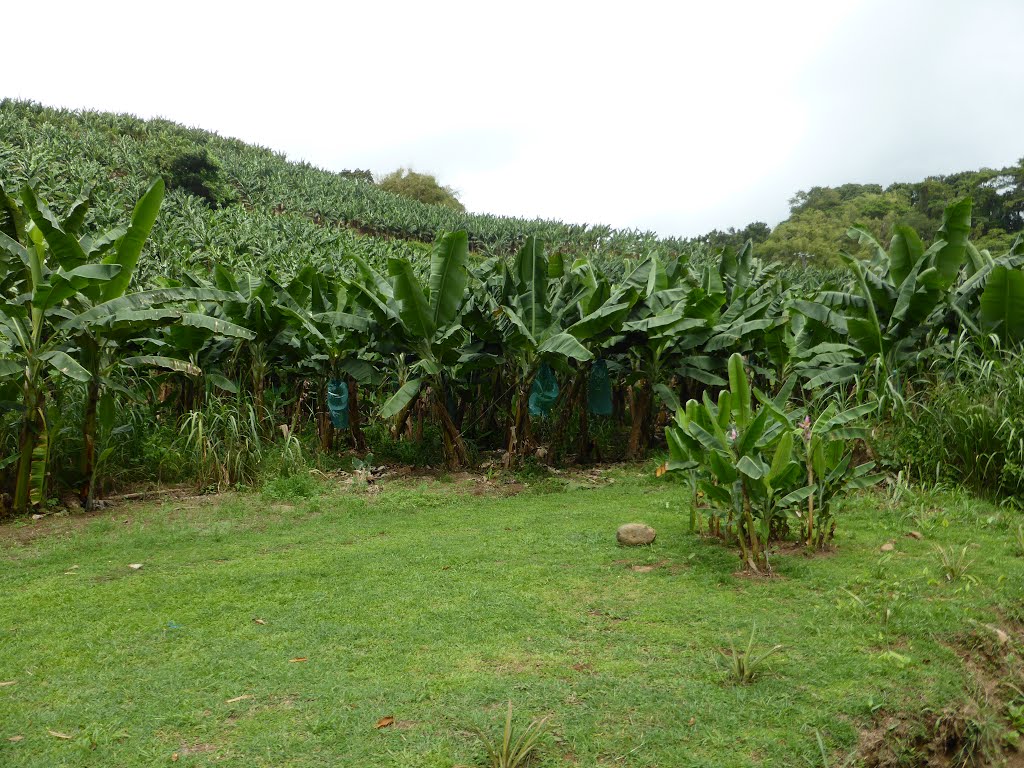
763,466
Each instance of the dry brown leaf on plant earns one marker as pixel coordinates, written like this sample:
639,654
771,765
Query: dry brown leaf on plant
384,722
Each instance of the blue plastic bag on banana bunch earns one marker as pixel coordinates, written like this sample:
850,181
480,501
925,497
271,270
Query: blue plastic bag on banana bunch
544,391
599,395
337,403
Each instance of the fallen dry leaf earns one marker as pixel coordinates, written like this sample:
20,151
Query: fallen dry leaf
296,659
135,566
174,757
692,720
57,734
916,535
7,682
384,722
259,621
15,738
243,697
887,547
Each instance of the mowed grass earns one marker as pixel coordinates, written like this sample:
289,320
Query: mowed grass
434,603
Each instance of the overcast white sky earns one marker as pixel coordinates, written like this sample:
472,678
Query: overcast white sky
674,116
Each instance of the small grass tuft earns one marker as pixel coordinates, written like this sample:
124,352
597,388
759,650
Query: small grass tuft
954,562
513,751
1018,541
744,665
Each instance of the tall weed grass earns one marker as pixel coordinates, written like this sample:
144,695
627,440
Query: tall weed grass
961,421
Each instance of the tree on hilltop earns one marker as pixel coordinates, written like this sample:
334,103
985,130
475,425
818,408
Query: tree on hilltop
420,186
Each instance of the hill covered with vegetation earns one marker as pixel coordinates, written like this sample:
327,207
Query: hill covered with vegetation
248,207
816,230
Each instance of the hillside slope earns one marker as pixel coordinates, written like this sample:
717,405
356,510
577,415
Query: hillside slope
265,209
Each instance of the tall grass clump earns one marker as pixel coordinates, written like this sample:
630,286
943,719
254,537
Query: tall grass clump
223,443
962,422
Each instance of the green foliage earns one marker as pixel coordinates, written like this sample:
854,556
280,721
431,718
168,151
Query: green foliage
422,187
820,217
960,422
276,300
195,171
290,214
513,750
744,665
224,442
760,464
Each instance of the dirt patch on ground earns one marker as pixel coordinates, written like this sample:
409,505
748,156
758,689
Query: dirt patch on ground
974,731
799,549
26,530
118,509
195,749
635,567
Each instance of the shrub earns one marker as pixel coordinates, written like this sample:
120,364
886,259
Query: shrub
422,187
195,171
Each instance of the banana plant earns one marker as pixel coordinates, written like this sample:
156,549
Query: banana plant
340,349
668,319
424,320
828,456
550,308
80,306
602,309
990,300
899,297
745,461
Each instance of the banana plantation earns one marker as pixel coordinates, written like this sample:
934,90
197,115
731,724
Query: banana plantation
185,314
148,333
530,356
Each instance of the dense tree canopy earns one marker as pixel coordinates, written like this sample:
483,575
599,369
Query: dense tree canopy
422,187
815,231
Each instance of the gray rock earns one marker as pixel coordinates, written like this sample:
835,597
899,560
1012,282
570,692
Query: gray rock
635,535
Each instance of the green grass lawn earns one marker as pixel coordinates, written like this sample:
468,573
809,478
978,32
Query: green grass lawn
434,602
